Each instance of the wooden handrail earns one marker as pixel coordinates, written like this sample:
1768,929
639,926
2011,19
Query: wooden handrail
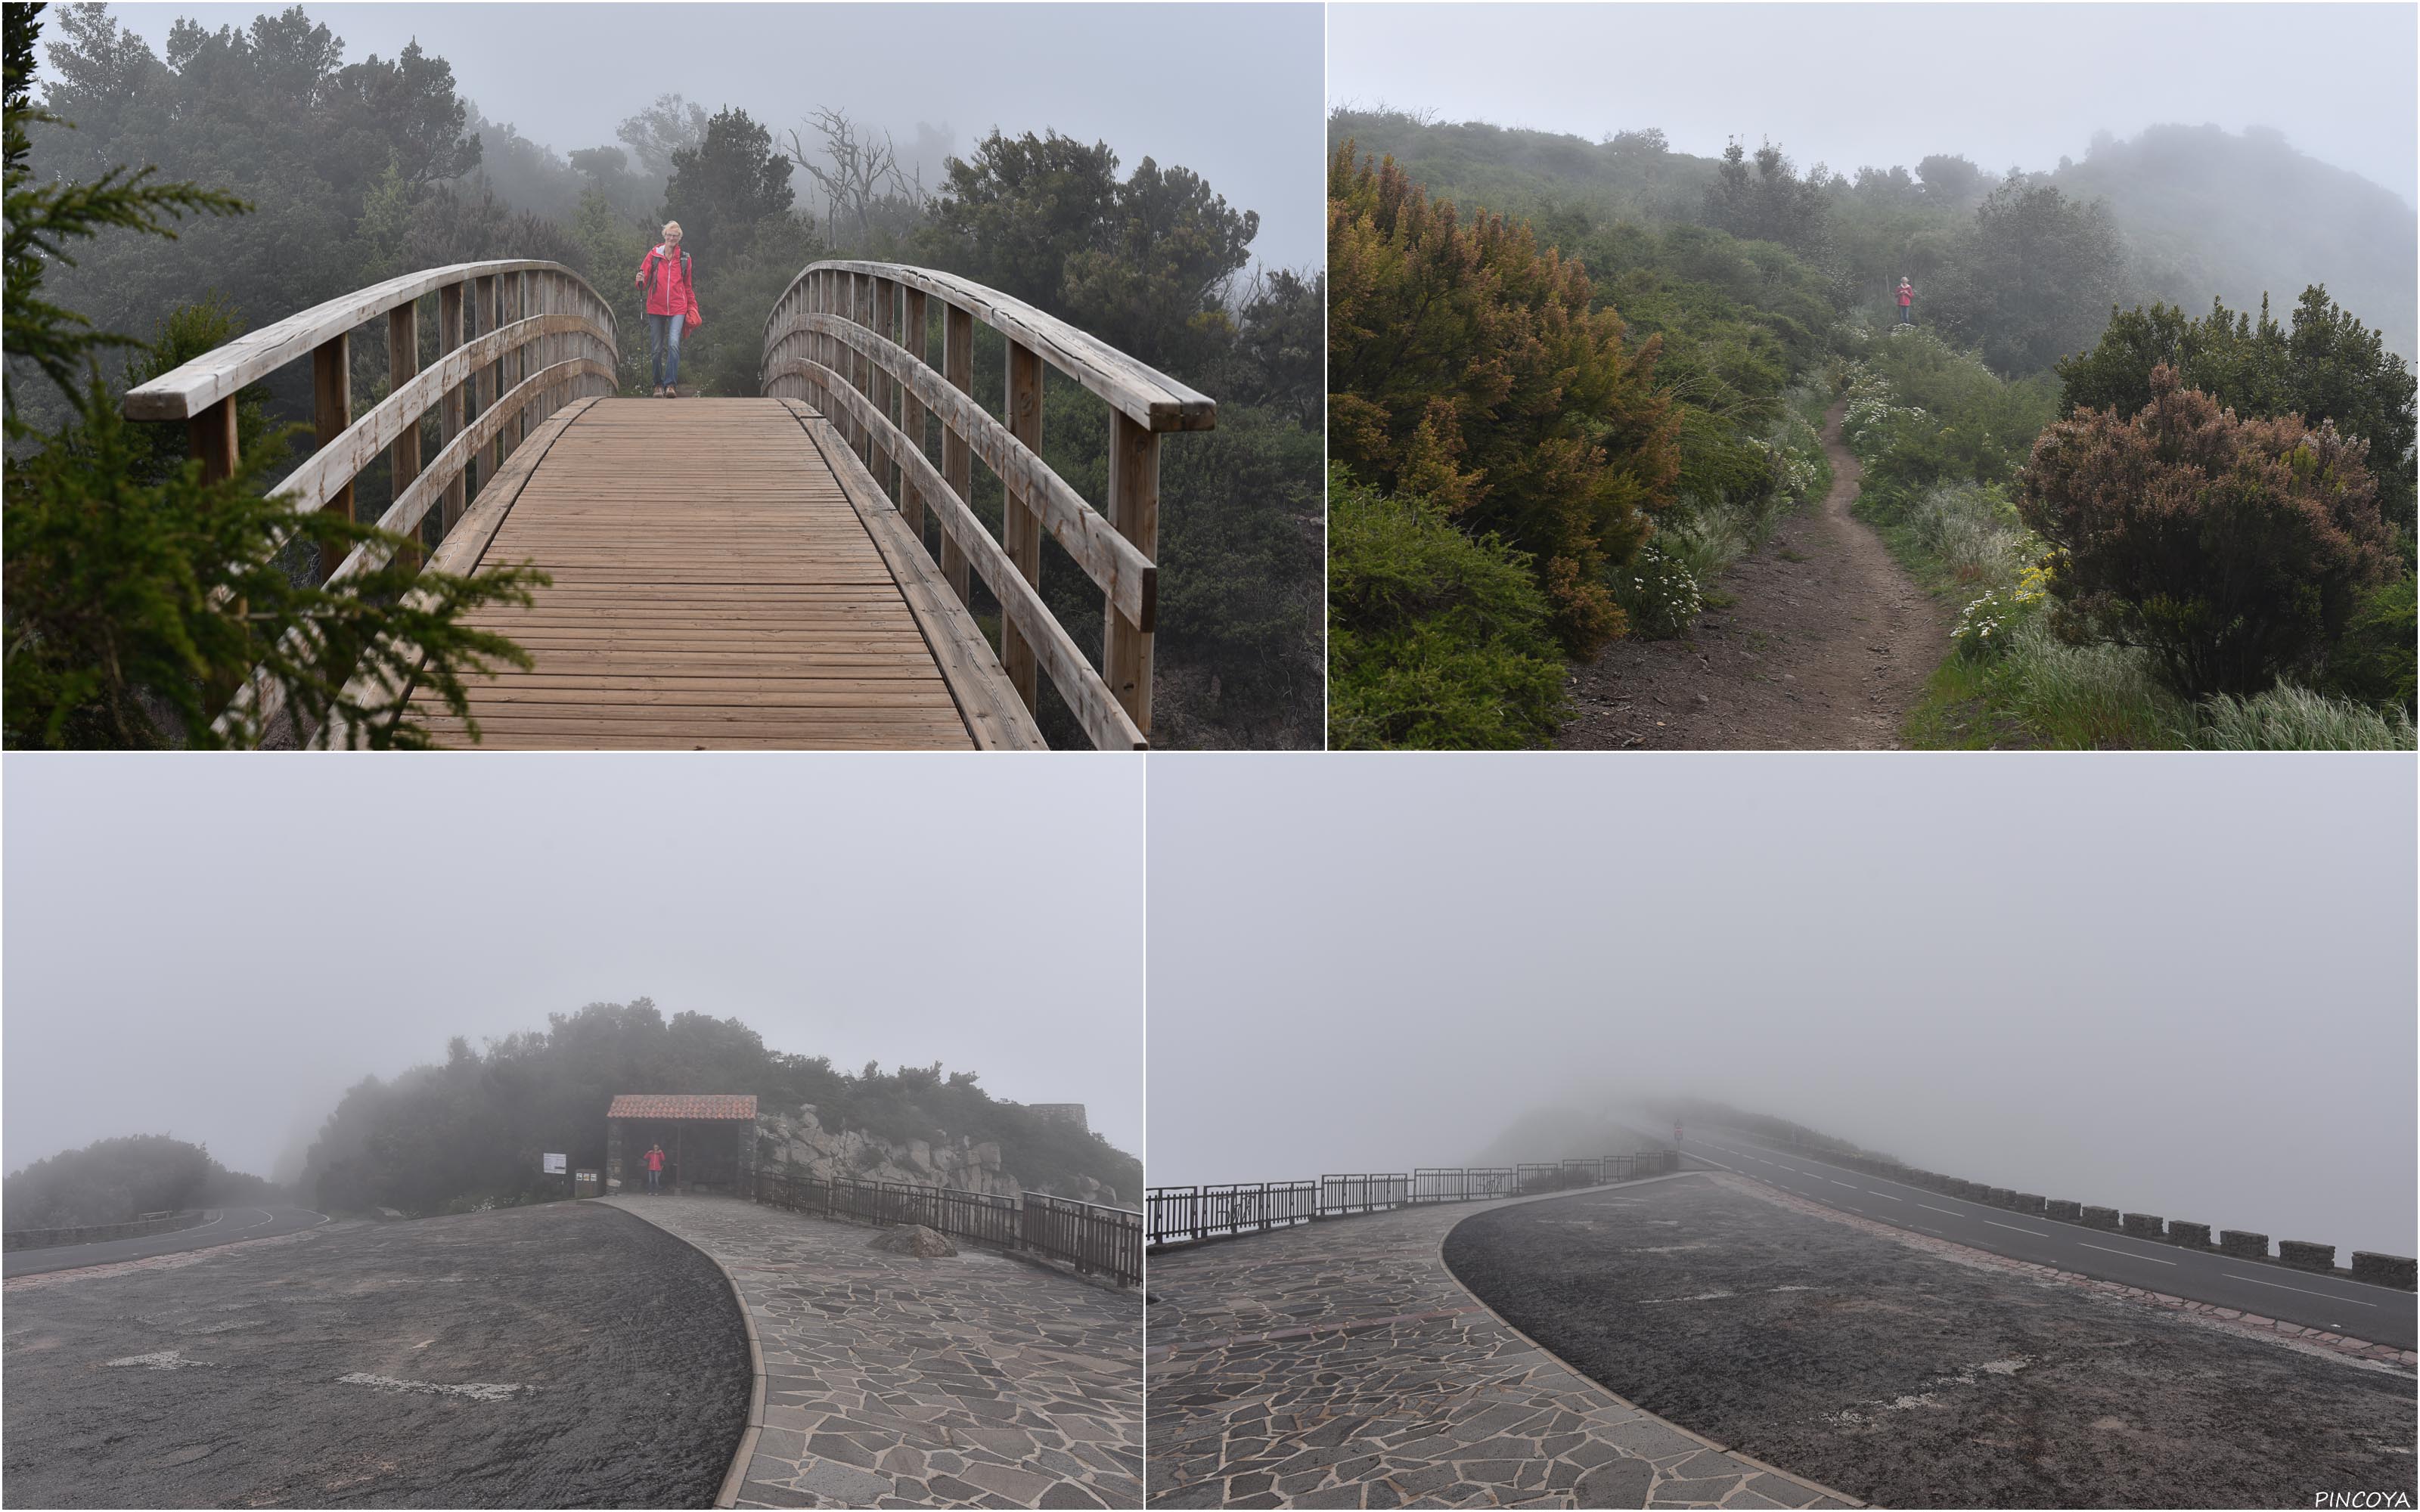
851,338
519,337
1146,396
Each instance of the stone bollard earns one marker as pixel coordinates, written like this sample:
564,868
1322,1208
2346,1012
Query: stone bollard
2101,1217
2382,1269
2028,1202
2061,1208
2189,1236
2000,1196
2142,1225
2243,1244
2305,1255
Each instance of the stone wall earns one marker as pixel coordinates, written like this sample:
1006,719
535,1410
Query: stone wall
796,1142
95,1233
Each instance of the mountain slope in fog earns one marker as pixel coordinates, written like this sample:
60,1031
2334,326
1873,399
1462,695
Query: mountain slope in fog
1562,1132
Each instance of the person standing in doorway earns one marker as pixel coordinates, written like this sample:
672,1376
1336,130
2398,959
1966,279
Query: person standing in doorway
1906,301
655,1159
671,307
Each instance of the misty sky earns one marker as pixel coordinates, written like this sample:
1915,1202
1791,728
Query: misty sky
216,947
1229,91
1885,84
2181,985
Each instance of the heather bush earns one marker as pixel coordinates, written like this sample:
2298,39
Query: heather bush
2233,549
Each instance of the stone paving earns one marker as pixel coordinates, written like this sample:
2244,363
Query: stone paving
966,1380
1339,1364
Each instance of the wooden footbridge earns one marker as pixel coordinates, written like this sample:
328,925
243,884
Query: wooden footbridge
793,571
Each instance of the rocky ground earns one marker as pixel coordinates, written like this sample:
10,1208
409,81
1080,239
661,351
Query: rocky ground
1909,1380
1827,645
802,1147
564,1355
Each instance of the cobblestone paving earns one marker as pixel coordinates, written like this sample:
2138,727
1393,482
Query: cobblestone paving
971,1380
1341,1364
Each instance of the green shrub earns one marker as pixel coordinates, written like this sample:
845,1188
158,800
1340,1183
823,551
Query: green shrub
2372,662
1436,640
1660,592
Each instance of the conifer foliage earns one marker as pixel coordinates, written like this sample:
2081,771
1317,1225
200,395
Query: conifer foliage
1466,366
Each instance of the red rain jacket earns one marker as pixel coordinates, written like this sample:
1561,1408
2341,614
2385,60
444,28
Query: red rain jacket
655,1157
667,281
1906,297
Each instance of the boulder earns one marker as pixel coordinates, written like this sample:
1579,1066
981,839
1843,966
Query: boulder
914,1239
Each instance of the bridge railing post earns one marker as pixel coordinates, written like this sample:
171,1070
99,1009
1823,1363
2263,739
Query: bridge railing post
912,412
331,411
1134,513
402,363
450,337
885,312
957,452
1020,517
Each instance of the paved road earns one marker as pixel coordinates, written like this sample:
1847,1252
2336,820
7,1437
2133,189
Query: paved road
225,1226
2377,1314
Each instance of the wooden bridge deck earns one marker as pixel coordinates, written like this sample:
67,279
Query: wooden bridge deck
714,587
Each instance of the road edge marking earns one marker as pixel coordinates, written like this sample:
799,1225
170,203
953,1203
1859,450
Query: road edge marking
736,1475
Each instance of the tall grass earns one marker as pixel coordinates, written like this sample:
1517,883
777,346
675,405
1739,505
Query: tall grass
2296,718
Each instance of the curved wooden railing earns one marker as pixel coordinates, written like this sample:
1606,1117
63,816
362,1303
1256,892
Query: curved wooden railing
517,341
853,338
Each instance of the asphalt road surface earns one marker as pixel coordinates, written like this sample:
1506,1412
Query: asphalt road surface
2377,1314
559,1355
227,1227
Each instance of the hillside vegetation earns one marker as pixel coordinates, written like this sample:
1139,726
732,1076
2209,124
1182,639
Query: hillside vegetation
116,1180
1601,368
469,1132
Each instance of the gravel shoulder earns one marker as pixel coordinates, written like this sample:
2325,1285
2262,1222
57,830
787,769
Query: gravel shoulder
1909,1380
1826,645
563,1355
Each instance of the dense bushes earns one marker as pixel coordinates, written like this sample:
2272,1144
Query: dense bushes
471,1129
1469,367
116,1180
1436,638
2232,549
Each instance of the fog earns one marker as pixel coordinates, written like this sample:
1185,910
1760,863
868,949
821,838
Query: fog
2178,984
216,947
1231,92
1885,85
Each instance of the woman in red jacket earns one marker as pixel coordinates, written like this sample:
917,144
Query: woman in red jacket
672,299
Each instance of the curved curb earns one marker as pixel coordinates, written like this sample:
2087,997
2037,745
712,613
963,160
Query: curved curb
736,1476
1577,1374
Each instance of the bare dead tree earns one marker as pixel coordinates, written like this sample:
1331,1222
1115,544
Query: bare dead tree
860,176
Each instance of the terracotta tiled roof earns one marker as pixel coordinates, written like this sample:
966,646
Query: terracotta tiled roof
682,1106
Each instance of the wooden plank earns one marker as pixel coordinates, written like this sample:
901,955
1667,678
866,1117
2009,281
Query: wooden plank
716,583
997,719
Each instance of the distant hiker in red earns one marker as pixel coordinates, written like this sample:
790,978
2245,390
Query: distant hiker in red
1906,302
671,307
655,1158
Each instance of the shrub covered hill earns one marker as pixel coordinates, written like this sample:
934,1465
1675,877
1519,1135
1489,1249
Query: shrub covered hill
469,1133
113,1181
2203,213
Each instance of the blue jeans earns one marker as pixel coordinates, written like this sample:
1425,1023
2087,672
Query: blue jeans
663,346
1906,314
654,1178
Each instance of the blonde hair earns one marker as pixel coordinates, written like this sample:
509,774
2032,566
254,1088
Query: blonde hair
671,226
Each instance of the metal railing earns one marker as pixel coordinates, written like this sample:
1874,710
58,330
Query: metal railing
853,339
1093,1238
1187,1214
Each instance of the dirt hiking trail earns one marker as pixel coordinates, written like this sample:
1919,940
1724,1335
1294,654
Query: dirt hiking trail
1826,646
